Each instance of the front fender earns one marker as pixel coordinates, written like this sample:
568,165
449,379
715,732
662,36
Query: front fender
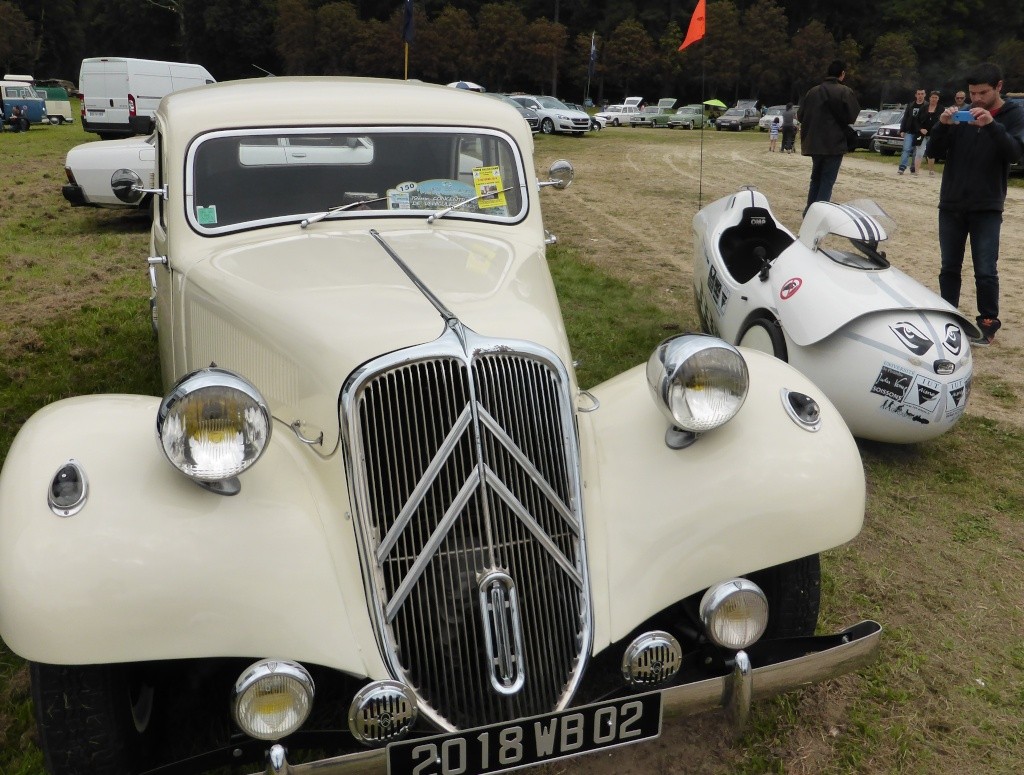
154,567
664,524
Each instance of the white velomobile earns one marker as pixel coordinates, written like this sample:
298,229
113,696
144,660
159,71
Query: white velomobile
893,356
389,511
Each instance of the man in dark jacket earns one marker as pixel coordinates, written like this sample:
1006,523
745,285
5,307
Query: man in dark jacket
910,125
825,112
978,157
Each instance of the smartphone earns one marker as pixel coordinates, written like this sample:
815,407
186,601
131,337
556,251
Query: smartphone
963,116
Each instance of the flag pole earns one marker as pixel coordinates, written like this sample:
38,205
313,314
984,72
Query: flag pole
407,60
696,32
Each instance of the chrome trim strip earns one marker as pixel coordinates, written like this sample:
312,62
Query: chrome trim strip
858,647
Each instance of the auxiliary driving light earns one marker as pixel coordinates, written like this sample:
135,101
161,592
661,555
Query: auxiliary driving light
381,712
652,658
734,613
272,699
213,425
698,382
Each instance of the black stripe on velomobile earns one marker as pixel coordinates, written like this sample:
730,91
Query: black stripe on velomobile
864,222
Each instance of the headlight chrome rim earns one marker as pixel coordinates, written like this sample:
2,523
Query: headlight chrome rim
213,425
734,613
272,678
699,382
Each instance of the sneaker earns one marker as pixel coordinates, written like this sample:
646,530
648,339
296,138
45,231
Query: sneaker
988,327
913,171
901,170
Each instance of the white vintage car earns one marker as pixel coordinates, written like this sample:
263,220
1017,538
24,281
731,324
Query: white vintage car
374,515
890,354
103,174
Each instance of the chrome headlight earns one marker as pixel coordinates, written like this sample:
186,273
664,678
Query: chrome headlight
213,425
698,382
272,699
734,613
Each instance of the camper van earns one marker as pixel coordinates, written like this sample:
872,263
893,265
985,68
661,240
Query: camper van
120,96
15,91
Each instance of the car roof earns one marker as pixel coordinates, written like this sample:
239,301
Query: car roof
308,101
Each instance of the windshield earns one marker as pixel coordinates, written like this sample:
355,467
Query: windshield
551,102
734,112
244,179
888,117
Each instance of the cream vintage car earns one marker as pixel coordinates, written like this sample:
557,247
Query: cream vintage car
374,516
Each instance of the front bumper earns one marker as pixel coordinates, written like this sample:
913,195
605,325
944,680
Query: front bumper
767,670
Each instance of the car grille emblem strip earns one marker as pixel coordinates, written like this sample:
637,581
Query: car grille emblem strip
463,460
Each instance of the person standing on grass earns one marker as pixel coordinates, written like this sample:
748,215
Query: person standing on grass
788,128
929,117
911,128
825,112
973,193
773,133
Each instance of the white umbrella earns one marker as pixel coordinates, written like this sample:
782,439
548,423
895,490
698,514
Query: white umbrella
468,85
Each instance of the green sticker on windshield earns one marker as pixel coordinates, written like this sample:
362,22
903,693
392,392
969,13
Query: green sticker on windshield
207,216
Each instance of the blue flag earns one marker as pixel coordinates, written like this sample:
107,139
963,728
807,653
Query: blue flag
407,28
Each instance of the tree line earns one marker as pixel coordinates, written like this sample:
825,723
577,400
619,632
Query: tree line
764,49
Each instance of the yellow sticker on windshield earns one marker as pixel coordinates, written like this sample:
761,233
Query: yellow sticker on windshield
487,182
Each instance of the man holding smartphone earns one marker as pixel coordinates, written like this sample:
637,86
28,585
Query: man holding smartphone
979,143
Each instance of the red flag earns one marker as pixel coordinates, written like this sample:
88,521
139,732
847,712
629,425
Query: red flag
696,29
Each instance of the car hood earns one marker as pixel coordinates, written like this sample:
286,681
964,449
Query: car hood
296,315
125,151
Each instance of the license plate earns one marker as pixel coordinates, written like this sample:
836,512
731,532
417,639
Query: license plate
526,742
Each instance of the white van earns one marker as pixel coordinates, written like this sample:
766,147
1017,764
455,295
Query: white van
120,96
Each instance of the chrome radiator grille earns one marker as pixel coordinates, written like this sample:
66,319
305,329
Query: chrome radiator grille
465,477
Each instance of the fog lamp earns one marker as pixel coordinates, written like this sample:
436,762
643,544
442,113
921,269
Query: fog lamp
272,699
734,613
698,382
213,425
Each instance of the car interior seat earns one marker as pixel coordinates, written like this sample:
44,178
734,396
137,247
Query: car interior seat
739,244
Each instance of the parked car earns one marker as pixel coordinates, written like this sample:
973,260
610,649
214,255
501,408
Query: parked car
69,87
58,106
687,117
770,114
103,174
654,116
888,138
529,114
867,127
596,123
377,506
737,119
619,115
555,115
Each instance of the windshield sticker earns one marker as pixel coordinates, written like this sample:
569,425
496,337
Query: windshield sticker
207,216
487,182
428,195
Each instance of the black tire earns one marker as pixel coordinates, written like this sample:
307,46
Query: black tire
762,332
93,719
615,122
547,126
794,596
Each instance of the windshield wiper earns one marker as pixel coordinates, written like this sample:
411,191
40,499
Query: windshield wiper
442,213
317,218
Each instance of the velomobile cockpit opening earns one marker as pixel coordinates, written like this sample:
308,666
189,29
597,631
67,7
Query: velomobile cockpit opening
829,228
752,244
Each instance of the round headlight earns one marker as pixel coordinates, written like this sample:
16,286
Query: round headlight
734,613
699,382
272,699
213,425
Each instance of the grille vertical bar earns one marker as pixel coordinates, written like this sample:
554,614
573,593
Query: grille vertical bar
465,465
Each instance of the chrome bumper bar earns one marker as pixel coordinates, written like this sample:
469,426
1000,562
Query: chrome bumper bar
823,657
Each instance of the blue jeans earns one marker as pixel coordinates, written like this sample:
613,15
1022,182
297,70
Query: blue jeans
908,151
983,229
824,171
